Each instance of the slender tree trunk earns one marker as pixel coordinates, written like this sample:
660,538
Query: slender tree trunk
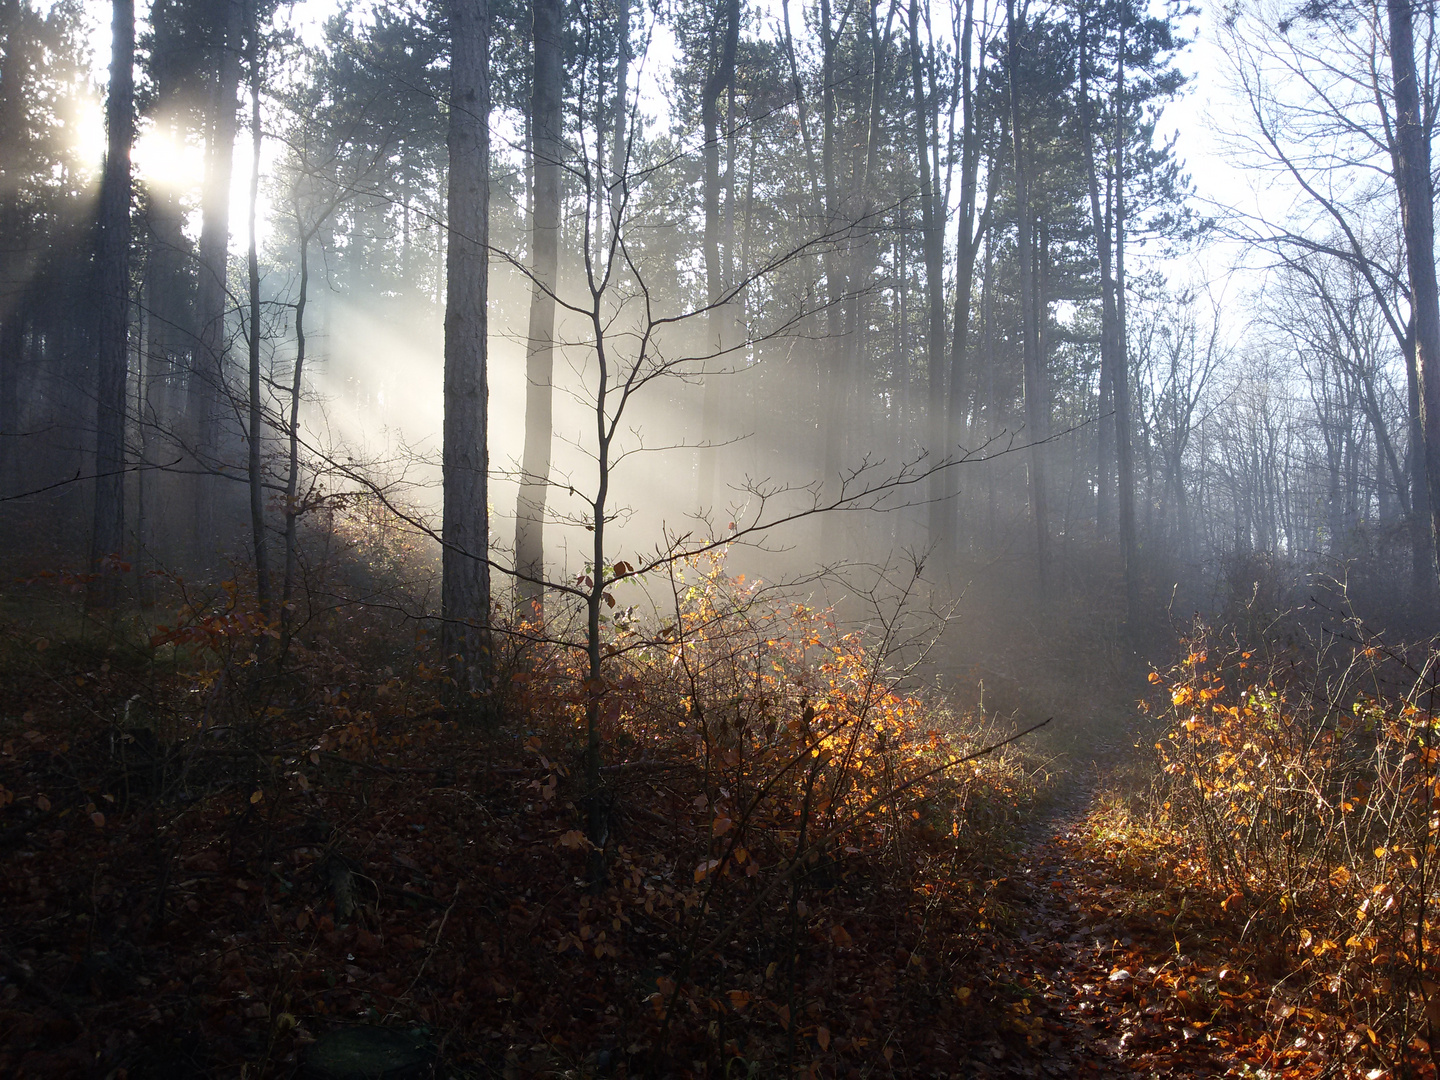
212,297
620,150
814,353
540,353
1100,222
1422,547
1121,366
834,376
292,462
12,355
254,464
144,529
113,278
465,532
968,236
932,233
1417,210
14,131
1035,419
721,76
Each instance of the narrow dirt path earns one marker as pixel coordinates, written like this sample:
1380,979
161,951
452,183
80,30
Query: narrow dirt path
1084,965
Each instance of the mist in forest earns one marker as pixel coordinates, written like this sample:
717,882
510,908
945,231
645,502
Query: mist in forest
872,291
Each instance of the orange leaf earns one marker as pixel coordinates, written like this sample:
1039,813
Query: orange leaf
822,1036
723,825
738,999
98,818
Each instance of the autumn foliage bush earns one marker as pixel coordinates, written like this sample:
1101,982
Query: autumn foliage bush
1308,779
323,838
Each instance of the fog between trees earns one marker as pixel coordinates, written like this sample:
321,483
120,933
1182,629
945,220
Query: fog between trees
809,284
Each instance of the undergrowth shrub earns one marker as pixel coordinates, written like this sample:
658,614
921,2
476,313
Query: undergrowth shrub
777,705
795,838
791,767
1309,780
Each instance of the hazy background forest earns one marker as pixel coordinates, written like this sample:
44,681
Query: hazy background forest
823,483
818,212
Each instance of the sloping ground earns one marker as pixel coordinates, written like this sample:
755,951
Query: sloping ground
226,933
211,909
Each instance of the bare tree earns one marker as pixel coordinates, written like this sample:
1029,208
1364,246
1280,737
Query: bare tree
1330,124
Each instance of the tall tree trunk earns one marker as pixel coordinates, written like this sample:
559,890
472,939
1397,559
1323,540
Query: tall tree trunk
540,352
1417,210
1422,546
834,377
465,531
620,150
167,314
292,463
1036,422
969,233
1120,367
212,297
1100,223
254,466
14,132
932,233
12,355
721,76
113,277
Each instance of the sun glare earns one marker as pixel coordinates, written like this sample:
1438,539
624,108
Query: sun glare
160,161
87,133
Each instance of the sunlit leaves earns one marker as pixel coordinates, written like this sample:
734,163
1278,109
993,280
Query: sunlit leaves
1308,795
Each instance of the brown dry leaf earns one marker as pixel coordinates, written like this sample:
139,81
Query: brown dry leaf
573,840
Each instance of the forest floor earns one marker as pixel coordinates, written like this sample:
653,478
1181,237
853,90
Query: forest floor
435,883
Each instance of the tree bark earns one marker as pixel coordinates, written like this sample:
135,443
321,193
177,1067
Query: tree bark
113,277
292,470
969,234
1100,222
932,233
465,531
1120,366
254,464
1422,545
212,298
540,353
1036,422
1417,210
620,149
721,76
